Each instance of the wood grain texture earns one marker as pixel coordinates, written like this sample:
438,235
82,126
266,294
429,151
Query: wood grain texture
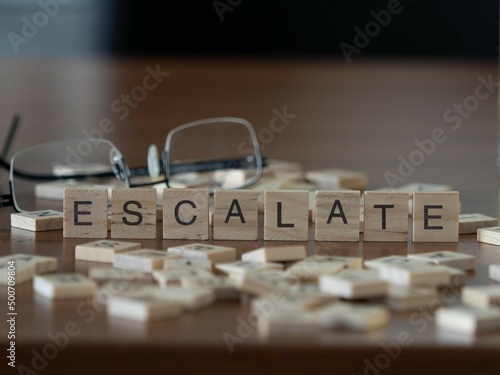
386,216
37,221
337,216
133,213
185,214
235,215
85,213
286,215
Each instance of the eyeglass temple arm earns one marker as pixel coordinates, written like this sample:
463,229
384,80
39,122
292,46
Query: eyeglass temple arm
212,166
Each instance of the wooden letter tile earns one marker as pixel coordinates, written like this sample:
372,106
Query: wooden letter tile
494,272
185,214
337,216
133,213
85,213
435,216
103,250
484,296
276,254
447,258
235,215
467,320
143,307
386,216
286,215
354,284
37,221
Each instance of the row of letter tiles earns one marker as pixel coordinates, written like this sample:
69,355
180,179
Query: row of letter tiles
186,215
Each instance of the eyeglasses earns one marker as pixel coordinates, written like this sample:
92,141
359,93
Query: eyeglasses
220,152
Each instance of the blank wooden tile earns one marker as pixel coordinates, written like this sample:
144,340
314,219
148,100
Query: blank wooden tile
185,214
223,287
338,178
133,213
489,235
244,266
470,223
262,282
354,284
385,216
405,299
297,323
313,267
64,286
124,287
494,272
216,254
290,302
353,317
457,278
145,260
169,277
101,274
276,254
286,215
103,250
25,271
85,213
143,307
43,264
235,215
482,296
190,263
447,258
467,320
37,221
411,274
190,298
337,216
435,216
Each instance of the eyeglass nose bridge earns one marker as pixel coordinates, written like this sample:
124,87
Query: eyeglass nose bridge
120,168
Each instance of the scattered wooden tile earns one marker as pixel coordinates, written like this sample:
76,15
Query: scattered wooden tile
467,320
244,266
190,298
133,213
457,277
145,260
290,302
354,284
286,215
37,221
287,322
337,216
123,287
337,178
216,254
143,308
235,215
189,263
385,216
353,317
101,274
313,267
411,274
489,235
263,282
64,286
185,214
275,254
391,259
447,258
85,213
43,264
223,287
103,250
24,271
470,223
406,299
435,216
173,277
494,272
482,296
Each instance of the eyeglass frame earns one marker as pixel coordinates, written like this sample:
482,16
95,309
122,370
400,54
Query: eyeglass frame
122,172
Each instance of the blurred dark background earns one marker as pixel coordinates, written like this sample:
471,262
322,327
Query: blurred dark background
432,28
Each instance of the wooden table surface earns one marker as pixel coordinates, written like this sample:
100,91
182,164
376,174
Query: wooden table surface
362,116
